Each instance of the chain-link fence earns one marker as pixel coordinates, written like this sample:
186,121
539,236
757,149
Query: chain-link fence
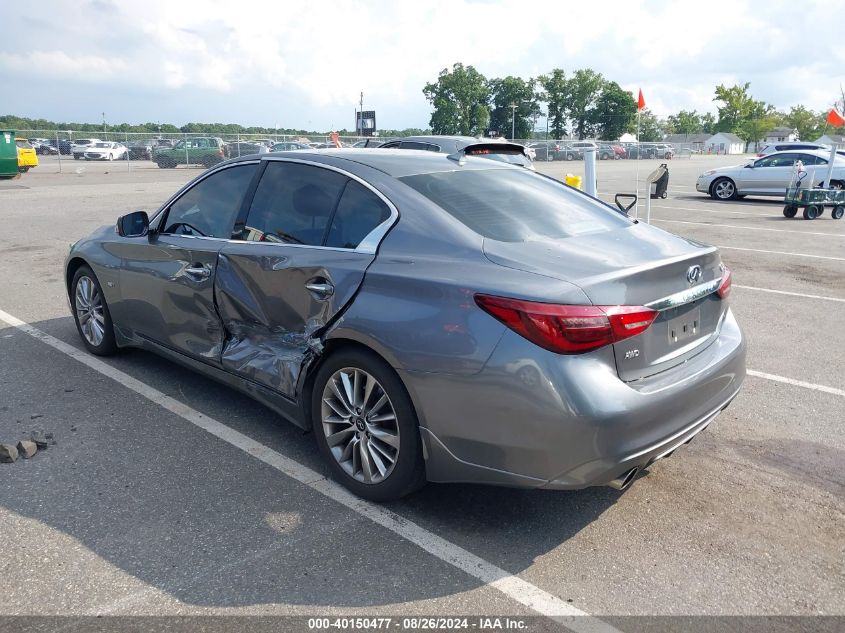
62,150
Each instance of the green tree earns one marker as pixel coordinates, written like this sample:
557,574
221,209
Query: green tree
736,108
614,110
810,124
584,90
506,93
556,95
459,97
686,122
650,127
708,123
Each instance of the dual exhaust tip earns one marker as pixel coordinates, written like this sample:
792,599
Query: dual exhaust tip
625,479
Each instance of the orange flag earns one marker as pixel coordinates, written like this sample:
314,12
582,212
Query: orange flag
640,101
835,119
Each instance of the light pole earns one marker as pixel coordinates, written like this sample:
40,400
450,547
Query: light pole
514,106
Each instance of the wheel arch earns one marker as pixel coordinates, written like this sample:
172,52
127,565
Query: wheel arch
342,342
74,264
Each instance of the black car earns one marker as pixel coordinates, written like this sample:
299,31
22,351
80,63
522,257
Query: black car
62,145
141,150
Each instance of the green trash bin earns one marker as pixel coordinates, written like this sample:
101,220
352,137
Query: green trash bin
8,154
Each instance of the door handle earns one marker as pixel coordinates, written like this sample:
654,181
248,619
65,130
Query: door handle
198,270
322,289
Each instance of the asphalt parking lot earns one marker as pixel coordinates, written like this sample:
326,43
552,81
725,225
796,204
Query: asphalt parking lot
168,494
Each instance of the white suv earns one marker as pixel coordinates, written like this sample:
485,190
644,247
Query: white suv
792,146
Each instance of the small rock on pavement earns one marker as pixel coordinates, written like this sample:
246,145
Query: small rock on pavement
39,438
27,448
8,453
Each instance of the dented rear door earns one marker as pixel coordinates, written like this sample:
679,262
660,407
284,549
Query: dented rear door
303,250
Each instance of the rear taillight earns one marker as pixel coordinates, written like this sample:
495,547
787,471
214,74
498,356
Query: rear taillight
725,286
568,329
220,153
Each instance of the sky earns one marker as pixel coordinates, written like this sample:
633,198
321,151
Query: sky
303,64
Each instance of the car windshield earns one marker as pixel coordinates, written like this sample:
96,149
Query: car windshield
515,205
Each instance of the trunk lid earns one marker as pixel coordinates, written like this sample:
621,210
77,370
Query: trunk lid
637,265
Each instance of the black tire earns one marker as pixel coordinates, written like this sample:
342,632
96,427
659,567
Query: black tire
408,472
723,189
209,162
107,346
837,212
789,211
811,212
664,195
75,157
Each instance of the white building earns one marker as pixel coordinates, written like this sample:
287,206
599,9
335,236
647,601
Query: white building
837,140
781,134
724,143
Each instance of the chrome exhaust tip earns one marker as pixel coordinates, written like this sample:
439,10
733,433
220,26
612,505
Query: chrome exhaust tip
623,481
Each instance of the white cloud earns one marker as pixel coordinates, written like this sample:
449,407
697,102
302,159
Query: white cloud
304,60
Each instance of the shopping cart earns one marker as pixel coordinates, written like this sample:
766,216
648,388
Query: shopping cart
813,200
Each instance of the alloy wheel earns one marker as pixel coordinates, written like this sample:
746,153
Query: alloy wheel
89,311
725,189
360,425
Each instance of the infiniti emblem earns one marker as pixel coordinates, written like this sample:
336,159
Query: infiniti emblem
693,274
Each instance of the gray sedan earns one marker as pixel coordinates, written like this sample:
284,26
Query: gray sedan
770,175
429,317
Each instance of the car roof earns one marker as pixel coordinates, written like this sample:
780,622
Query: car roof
393,162
824,153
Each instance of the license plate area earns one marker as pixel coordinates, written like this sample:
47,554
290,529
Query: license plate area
684,327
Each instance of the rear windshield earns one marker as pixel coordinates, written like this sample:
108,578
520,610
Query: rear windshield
515,205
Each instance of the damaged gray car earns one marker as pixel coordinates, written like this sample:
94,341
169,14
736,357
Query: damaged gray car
430,317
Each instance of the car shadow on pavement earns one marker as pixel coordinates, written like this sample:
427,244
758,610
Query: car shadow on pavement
195,518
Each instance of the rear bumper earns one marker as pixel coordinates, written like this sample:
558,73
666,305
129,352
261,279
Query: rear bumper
532,418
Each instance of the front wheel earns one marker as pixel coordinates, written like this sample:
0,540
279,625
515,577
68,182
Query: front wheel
366,427
811,212
91,313
789,211
723,189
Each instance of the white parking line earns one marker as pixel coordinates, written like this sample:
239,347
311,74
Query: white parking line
796,383
512,586
791,294
760,250
748,228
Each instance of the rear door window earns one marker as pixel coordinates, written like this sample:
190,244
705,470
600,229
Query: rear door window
293,204
515,205
358,213
209,208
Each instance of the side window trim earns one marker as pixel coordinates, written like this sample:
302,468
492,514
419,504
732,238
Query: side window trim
160,218
371,241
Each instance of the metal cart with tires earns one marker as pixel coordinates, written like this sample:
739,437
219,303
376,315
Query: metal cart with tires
814,201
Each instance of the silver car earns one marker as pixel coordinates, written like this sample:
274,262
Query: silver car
770,175
429,316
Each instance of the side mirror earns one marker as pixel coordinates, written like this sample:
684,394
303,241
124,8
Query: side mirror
135,224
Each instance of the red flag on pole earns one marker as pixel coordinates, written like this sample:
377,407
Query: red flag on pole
835,119
640,101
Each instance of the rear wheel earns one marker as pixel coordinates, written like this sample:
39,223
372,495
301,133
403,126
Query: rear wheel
811,212
366,427
91,313
837,212
723,189
789,211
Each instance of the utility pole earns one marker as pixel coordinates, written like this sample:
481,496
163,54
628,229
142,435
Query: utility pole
514,106
104,123
361,116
